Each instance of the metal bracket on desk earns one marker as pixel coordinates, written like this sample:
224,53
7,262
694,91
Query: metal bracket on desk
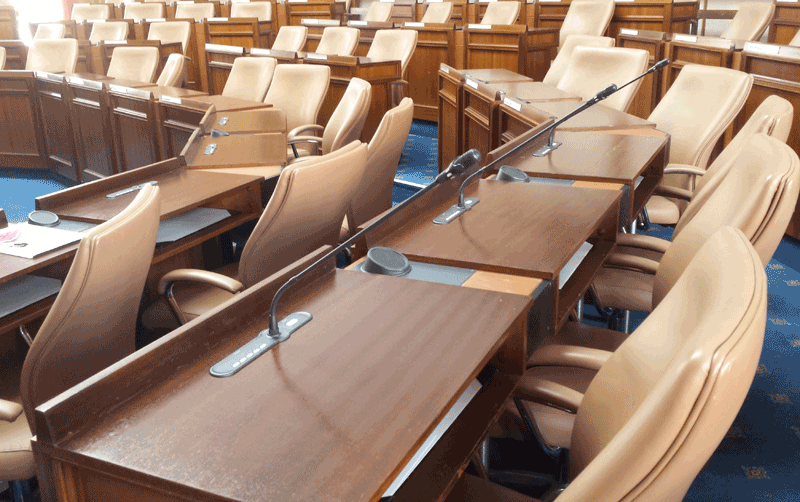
546,149
455,211
223,121
210,149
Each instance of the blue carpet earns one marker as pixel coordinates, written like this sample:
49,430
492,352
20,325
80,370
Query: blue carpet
19,188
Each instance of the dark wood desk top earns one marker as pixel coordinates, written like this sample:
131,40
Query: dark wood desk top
236,150
174,92
246,122
596,118
511,230
533,92
495,76
331,414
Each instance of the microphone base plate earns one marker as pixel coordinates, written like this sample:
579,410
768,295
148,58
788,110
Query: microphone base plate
259,345
546,149
455,211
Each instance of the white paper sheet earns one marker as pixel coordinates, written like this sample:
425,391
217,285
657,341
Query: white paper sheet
24,291
38,240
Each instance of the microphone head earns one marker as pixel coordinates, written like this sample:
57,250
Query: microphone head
464,162
608,91
661,64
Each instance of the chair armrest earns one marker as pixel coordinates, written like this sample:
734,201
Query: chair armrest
674,192
304,139
630,262
569,355
539,390
203,276
641,241
684,169
9,410
303,128
400,82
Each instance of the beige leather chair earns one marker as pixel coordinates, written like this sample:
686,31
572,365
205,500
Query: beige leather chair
171,32
250,78
174,73
586,17
338,41
773,117
293,80
344,126
134,63
49,31
2,58
196,11
91,325
438,13
501,13
53,55
592,69
750,22
110,30
696,110
559,64
290,38
141,11
379,12
660,405
84,11
374,193
398,45
260,10
304,213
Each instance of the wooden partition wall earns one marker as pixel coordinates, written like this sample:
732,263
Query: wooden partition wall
785,23
26,147
523,50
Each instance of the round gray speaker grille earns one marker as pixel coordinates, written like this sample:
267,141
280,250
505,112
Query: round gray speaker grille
385,261
43,218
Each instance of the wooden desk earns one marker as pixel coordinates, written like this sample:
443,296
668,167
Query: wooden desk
647,97
403,11
527,51
16,54
297,10
691,49
237,150
222,32
435,46
92,133
367,34
22,143
352,421
534,92
785,23
598,118
56,124
8,23
193,67
245,122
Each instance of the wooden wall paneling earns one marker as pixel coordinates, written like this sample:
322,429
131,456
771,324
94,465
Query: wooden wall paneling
297,10
450,83
367,34
479,125
690,49
219,61
177,120
16,54
57,124
135,128
403,11
478,10
315,28
21,139
435,46
496,47
241,32
649,92
785,23
92,135
8,23
458,17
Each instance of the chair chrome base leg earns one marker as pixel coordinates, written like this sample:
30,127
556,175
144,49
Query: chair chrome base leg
579,310
626,322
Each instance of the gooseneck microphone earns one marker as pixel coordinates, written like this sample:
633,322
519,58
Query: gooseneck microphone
466,204
281,331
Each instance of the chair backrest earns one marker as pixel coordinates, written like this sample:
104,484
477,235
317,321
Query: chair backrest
374,194
501,13
347,120
92,323
750,21
260,10
379,12
592,69
84,11
134,63
290,38
196,11
175,73
292,80
171,32
2,58
664,400
338,41
53,55
110,30
586,17
757,196
305,212
795,41
141,11
698,108
394,45
49,31
438,13
250,78
559,64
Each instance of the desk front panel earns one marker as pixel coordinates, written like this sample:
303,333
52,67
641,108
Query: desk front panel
435,46
133,121
785,23
8,23
56,127
92,135
450,117
22,143
16,54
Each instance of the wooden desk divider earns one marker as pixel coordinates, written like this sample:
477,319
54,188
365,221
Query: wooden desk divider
517,48
219,61
22,142
480,116
459,16
649,92
16,54
8,23
368,30
177,121
135,127
435,46
236,150
283,57
56,124
450,130
244,122
91,128
315,28
691,49
297,10
785,23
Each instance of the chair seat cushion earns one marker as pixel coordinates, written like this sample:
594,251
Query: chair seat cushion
16,454
662,210
195,299
624,289
586,335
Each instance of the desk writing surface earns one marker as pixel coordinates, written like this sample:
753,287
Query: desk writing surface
535,91
523,229
174,92
332,414
247,121
224,103
237,150
598,117
492,76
